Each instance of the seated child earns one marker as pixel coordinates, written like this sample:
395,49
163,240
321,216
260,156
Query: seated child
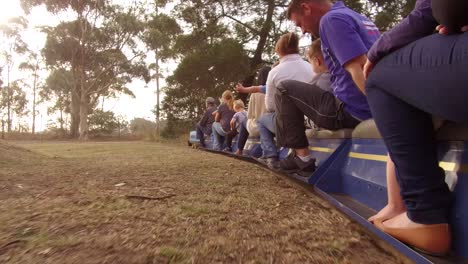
238,125
322,77
316,59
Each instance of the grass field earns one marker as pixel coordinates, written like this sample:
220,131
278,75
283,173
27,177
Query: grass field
141,202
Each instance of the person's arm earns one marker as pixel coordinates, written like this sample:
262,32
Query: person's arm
419,23
233,124
354,67
252,89
269,91
205,118
339,29
217,117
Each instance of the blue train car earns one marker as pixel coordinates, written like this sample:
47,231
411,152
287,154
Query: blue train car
351,175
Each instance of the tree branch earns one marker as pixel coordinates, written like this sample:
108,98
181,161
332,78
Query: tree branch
223,14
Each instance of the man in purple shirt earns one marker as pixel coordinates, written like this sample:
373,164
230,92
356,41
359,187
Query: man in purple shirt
419,75
346,38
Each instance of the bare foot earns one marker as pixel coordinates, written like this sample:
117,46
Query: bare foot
401,221
389,211
432,239
238,152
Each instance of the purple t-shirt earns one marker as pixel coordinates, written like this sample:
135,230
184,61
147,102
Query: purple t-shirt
240,118
346,35
226,116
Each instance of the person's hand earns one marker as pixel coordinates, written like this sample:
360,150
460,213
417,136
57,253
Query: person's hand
241,89
368,67
444,31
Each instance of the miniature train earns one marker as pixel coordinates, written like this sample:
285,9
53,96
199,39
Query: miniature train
351,175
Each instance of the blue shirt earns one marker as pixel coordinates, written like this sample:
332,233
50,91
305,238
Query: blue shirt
346,35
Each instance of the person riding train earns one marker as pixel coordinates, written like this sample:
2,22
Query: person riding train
346,38
415,75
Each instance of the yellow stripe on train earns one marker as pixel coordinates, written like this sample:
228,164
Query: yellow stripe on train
447,166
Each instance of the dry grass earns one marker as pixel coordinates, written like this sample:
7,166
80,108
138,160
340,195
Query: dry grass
172,204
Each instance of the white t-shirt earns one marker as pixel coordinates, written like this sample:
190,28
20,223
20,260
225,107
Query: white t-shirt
291,67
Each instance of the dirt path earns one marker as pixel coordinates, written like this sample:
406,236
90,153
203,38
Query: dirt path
153,203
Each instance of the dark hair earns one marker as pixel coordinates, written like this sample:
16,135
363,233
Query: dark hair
288,44
451,14
263,75
295,6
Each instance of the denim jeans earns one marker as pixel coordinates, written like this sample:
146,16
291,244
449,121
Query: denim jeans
426,78
218,136
202,131
267,129
243,136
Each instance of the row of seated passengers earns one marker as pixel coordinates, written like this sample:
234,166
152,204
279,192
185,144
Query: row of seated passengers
231,118
415,75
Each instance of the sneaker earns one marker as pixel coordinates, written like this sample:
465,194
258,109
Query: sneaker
292,163
227,149
271,163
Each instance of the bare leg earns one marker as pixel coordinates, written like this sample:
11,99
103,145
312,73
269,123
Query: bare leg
395,204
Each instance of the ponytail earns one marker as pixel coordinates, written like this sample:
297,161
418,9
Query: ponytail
229,98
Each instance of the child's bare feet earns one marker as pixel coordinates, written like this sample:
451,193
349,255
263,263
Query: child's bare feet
401,221
238,152
389,211
434,239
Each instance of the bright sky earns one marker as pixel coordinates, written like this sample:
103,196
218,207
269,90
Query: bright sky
126,106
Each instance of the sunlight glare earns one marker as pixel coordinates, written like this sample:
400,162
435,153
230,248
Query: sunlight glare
9,9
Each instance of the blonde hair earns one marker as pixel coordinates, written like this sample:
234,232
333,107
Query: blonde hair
315,49
229,98
288,44
238,104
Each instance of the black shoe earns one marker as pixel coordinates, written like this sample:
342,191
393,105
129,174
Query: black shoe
293,163
271,163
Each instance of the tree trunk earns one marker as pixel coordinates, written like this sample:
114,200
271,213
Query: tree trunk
257,58
75,115
9,111
61,120
158,133
84,104
84,101
3,129
34,101
8,102
264,33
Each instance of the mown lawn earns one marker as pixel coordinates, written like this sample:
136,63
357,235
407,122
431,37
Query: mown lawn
134,202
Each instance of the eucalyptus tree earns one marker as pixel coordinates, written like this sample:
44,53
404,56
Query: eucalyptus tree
204,73
160,36
33,64
11,46
99,47
58,88
15,98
